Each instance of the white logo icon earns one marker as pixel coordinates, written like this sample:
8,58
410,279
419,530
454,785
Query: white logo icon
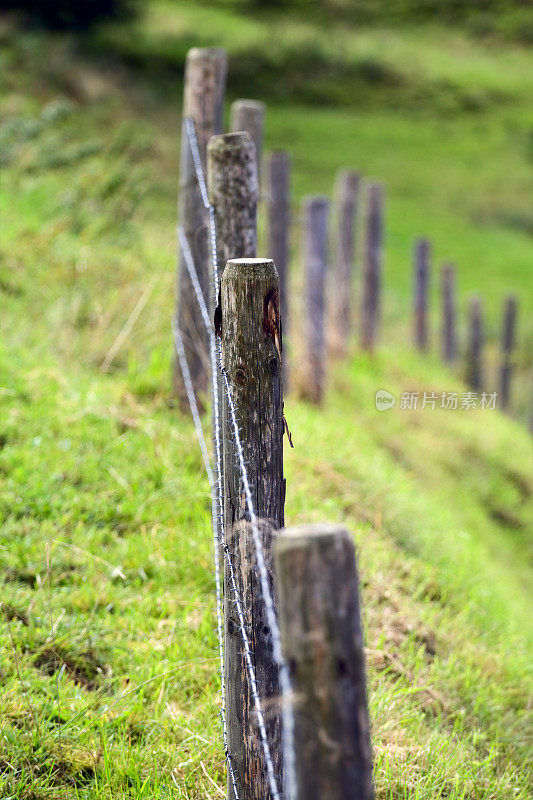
384,400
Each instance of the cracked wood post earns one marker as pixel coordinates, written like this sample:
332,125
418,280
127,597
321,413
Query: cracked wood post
278,208
203,100
249,115
251,355
508,343
322,641
371,301
449,333
474,367
315,253
422,253
346,194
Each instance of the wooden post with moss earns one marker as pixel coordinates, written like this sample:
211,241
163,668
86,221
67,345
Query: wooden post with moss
249,115
203,100
372,268
322,641
278,209
251,356
421,291
315,253
474,365
346,196
508,343
449,314
232,188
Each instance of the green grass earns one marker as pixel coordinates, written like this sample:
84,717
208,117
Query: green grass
108,654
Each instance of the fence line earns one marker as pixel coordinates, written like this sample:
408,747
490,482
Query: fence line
216,359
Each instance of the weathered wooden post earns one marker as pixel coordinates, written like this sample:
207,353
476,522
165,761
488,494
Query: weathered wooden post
322,641
346,195
249,115
508,343
449,334
370,309
278,206
232,187
474,366
251,355
421,263
315,251
203,100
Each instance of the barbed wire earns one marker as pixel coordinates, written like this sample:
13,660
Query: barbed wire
180,350
219,524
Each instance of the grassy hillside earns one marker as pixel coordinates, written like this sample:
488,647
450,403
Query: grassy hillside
107,642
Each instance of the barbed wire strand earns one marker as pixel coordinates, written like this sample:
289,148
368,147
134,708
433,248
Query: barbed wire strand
217,367
180,350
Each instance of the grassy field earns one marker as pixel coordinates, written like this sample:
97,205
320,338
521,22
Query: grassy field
108,661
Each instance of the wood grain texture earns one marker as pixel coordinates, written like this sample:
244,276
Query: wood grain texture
203,99
322,641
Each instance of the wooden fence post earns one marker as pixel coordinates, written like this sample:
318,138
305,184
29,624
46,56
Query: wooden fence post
232,187
508,343
421,258
474,367
251,355
249,115
322,643
203,100
278,200
370,310
315,251
244,742
449,334
346,196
